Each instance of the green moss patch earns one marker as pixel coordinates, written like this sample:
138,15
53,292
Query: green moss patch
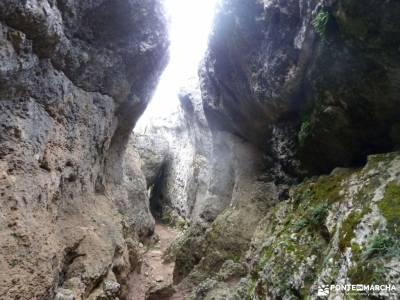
380,161
326,189
361,274
389,207
173,219
349,225
299,233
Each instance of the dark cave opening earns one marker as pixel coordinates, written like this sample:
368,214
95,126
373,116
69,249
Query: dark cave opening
158,201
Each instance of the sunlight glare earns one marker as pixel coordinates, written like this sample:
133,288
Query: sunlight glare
190,23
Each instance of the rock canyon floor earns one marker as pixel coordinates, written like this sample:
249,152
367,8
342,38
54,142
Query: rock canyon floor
153,280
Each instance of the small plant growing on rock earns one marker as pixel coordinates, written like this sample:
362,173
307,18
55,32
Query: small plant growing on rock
304,132
379,245
320,23
318,214
379,274
300,224
370,269
13,263
315,216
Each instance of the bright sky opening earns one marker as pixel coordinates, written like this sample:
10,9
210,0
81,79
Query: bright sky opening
190,23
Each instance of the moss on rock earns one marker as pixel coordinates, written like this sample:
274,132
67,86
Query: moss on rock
332,227
325,189
348,227
389,206
297,248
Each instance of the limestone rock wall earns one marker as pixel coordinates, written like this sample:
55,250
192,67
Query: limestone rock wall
334,229
74,78
175,152
328,69
192,169
330,231
255,63
292,89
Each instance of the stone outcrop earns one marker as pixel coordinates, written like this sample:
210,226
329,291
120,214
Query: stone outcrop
292,89
74,78
329,69
335,229
175,151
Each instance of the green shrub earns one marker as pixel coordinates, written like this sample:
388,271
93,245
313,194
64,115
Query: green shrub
300,224
318,214
380,245
320,23
304,132
173,219
313,219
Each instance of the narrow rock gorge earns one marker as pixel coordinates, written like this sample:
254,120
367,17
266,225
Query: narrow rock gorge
275,175
75,76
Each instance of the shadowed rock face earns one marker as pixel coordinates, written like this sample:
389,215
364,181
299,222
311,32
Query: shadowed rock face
330,69
175,152
74,78
254,64
289,89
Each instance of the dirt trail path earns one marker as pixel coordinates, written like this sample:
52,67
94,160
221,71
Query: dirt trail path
154,272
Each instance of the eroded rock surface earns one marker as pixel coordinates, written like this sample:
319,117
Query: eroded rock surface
74,78
334,229
329,69
292,89
175,151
